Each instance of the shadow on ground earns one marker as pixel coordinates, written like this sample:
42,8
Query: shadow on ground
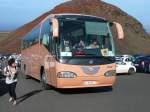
3,87
27,95
84,90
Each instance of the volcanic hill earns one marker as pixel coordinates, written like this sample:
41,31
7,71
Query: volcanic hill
136,39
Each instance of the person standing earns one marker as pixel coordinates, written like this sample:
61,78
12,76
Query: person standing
11,73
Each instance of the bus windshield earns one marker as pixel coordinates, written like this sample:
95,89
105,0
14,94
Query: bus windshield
85,38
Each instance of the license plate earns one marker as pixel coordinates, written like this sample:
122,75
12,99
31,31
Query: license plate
90,82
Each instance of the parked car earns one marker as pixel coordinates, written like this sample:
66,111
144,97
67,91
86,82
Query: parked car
2,58
0,67
142,63
1,71
125,67
125,58
18,62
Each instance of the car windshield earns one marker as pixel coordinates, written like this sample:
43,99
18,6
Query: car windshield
119,59
85,38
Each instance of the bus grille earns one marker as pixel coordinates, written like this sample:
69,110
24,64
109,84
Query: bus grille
90,70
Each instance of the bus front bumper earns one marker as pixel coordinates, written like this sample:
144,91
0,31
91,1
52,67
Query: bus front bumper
85,82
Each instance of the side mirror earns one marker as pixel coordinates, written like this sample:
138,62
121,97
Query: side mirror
119,29
55,27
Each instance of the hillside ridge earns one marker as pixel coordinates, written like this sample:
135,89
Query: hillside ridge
136,39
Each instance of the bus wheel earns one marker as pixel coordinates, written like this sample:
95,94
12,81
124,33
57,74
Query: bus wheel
43,81
131,71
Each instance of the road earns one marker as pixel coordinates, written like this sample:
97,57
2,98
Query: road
129,94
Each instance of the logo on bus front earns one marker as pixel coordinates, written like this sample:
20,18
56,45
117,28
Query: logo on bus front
90,70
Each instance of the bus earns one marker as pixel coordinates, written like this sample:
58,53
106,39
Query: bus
71,51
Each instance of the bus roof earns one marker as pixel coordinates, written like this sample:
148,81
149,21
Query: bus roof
72,16
77,16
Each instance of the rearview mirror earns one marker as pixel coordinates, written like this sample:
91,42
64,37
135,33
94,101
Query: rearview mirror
55,27
119,29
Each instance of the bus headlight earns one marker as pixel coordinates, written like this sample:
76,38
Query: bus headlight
110,73
66,75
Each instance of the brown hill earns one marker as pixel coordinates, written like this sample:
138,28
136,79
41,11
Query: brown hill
3,35
136,39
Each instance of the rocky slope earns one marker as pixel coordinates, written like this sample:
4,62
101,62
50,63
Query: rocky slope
136,39
3,35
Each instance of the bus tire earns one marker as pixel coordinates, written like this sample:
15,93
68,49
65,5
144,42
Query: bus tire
44,81
131,71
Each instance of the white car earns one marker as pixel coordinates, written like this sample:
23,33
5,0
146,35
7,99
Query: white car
124,58
122,67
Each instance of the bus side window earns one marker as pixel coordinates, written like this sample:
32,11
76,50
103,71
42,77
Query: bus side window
34,35
31,37
26,41
46,35
45,40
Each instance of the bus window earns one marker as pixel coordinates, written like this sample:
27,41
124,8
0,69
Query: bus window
46,35
88,32
45,40
31,38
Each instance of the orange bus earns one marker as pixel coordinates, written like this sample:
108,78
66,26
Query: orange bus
71,51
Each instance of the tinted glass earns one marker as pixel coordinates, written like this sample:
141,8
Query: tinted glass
85,38
46,35
31,38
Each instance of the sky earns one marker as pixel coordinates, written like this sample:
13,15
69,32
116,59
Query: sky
136,8
15,13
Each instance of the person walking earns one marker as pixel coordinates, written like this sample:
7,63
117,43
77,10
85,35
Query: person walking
11,73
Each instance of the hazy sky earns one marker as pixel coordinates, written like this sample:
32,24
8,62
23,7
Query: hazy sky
15,13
